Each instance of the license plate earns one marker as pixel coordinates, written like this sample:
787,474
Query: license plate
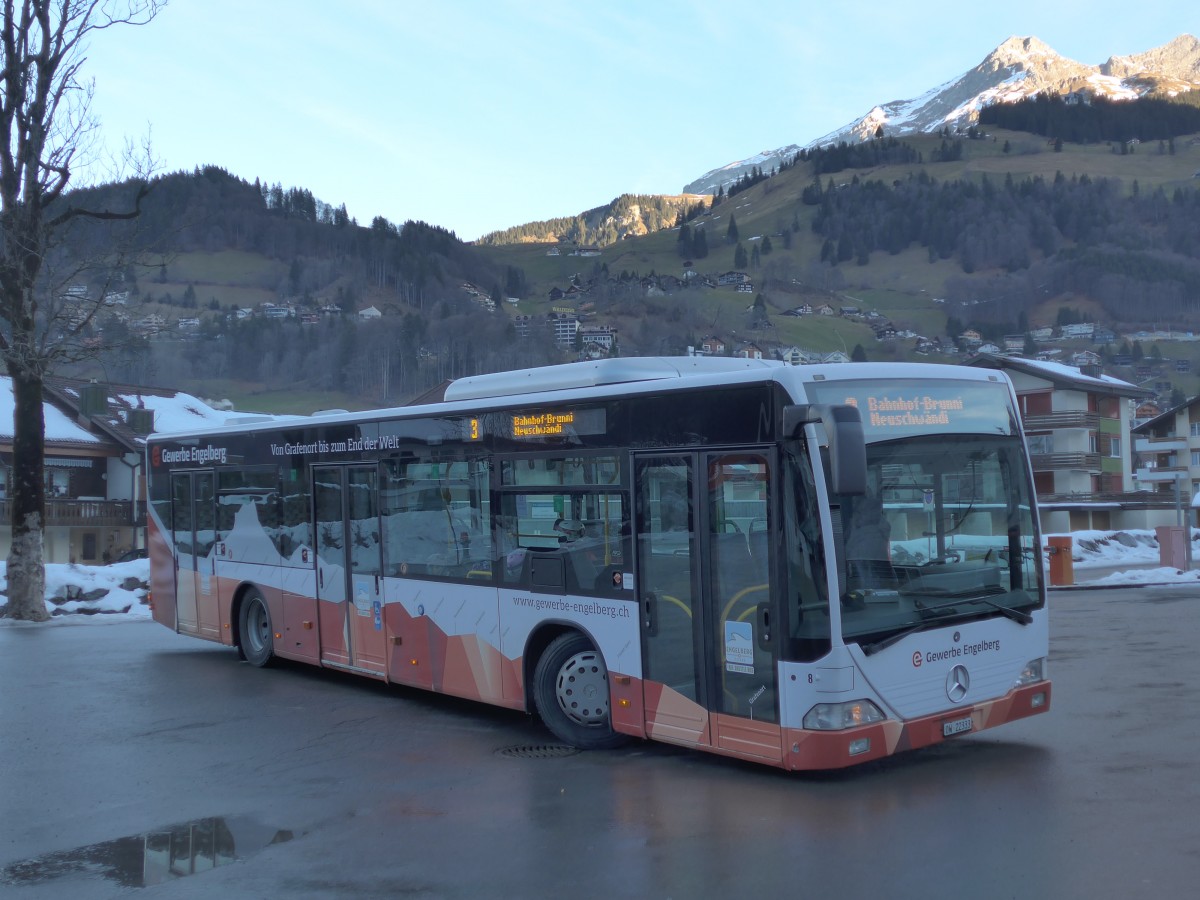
958,726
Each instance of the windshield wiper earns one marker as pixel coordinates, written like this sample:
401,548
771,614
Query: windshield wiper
937,616
1015,614
869,649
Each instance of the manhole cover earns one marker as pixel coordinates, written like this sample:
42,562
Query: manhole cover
537,751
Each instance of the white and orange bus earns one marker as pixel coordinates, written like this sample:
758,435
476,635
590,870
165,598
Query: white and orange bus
809,567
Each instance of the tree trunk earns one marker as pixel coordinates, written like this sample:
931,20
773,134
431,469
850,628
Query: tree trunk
26,560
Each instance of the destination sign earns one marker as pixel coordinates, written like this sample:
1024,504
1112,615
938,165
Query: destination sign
901,407
556,423
542,424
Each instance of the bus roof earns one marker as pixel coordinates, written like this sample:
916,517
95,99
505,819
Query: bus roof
604,378
597,373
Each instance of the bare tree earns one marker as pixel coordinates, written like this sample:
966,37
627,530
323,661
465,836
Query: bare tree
47,132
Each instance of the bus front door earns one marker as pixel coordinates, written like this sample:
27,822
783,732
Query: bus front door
193,519
707,602
349,572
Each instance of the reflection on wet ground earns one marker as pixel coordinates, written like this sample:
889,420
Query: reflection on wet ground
153,857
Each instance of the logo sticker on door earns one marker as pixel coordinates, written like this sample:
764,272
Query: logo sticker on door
739,647
362,603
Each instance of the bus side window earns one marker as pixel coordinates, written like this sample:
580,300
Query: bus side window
586,533
436,518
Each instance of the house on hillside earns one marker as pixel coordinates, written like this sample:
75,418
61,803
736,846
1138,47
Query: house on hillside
732,278
798,356
971,338
601,336
95,477
749,351
370,313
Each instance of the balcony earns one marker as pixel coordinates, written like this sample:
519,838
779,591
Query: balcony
97,513
1162,473
1160,444
1079,418
1052,462
1122,499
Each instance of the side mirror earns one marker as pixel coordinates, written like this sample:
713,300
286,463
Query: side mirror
847,444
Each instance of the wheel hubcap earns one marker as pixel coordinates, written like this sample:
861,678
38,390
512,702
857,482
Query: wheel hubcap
582,689
258,626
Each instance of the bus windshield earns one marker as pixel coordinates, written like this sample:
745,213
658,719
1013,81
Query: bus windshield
944,533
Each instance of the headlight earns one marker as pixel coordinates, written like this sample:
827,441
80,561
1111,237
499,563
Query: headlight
1034,671
837,716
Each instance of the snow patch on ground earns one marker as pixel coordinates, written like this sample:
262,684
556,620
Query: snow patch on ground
93,592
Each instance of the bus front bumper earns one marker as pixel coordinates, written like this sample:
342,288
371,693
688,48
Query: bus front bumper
805,749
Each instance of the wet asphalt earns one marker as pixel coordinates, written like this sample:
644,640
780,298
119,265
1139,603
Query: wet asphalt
131,756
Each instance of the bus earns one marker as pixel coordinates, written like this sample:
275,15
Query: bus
809,567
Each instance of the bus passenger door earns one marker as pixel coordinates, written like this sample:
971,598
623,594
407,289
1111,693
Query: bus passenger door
349,592
739,522
672,618
193,537
707,606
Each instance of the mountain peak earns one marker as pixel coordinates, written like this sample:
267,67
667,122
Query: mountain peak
1021,50
1019,68
1179,58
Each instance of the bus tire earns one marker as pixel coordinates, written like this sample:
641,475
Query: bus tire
570,691
254,630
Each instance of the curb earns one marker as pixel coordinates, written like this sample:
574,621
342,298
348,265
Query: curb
1111,587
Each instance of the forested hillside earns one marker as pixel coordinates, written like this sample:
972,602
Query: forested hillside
995,228
213,245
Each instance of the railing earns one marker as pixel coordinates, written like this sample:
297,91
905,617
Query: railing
1162,473
1049,462
1126,499
1160,444
84,512
1080,418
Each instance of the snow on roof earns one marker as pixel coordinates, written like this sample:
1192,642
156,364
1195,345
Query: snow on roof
182,412
59,426
178,412
1062,370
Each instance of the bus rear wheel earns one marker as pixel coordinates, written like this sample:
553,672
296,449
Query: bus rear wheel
254,629
570,692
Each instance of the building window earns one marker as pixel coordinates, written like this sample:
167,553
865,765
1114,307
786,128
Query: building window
1093,443
1195,429
58,482
1114,447
1196,457
1039,444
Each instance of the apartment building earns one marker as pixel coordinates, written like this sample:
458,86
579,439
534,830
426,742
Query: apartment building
1077,423
1167,453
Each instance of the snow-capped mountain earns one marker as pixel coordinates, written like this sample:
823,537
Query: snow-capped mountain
1020,67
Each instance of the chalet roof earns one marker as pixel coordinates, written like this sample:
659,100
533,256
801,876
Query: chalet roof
173,410
1164,417
1059,374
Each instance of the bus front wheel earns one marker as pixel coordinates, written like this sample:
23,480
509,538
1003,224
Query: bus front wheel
571,693
257,644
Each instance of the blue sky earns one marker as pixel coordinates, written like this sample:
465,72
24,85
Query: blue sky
481,114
